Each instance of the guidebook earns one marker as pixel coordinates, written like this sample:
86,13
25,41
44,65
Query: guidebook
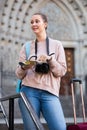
28,62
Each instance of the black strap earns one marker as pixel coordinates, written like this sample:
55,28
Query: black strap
47,46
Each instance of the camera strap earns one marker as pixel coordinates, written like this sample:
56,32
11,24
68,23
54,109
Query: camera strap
47,46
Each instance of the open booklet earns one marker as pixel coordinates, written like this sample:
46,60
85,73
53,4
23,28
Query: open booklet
28,62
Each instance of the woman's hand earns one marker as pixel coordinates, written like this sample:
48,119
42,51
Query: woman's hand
44,58
27,64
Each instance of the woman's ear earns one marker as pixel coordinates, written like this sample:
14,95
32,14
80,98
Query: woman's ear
45,25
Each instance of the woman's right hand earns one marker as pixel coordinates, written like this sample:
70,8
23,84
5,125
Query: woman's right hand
27,64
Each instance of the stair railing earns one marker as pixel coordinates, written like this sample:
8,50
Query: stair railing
32,113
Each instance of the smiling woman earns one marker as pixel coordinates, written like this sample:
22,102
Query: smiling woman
38,22
41,84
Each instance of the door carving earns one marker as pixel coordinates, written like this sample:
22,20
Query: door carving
65,81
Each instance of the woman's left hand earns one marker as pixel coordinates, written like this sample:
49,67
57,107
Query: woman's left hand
44,58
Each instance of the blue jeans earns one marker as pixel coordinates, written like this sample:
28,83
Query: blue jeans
45,102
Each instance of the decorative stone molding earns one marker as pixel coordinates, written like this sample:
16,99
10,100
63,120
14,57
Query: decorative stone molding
84,2
79,11
15,15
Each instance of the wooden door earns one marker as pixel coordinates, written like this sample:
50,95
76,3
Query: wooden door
65,82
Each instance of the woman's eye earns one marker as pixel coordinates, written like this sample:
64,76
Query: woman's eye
32,22
37,21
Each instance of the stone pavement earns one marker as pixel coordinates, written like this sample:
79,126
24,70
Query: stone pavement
17,127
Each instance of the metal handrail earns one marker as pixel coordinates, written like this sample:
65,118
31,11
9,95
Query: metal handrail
28,106
10,98
4,98
32,113
3,111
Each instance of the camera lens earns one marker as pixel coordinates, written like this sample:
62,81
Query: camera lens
42,68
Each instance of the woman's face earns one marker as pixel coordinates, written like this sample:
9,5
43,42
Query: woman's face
37,24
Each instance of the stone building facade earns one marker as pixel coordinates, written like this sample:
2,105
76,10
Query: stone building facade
67,23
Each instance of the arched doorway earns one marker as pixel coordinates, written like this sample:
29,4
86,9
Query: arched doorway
63,27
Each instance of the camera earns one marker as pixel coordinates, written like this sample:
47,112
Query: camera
42,65
42,68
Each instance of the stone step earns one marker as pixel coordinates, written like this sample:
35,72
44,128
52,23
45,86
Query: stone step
18,127
68,120
19,124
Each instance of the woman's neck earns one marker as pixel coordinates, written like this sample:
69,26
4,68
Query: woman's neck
41,37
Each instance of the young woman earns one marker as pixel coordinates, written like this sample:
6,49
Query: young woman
42,85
